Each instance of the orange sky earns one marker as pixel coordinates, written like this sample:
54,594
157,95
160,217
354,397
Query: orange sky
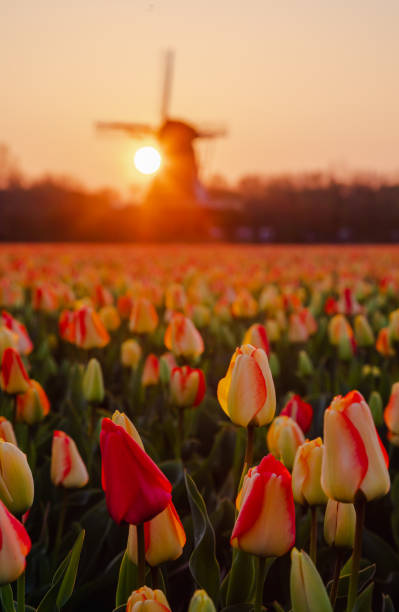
301,84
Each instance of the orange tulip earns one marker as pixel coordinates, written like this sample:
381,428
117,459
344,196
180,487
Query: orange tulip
306,474
15,545
33,405
354,458
284,437
182,337
256,335
150,371
187,386
265,525
164,538
246,393
143,317
13,376
67,466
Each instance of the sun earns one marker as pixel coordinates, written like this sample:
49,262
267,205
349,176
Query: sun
147,160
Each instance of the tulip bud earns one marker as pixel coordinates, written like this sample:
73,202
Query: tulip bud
166,364
346,348
306,474
201,602
339,329
244,305
15,545
147,600
175,297
300,411
7,340
246,393
83,327
44,298
273,330
391,415
7,431
283,439
375,404
187,386
394,325
24,343
354,458
363,333
13,376
93,384
305,365
384,342
125,305
135,488
200,315
109,317
130,353
308,593
16,481
339,524
274,365
120,418
150,374
67,466
144,317
265,524
33,405
256,335
164,538
297,330
183,338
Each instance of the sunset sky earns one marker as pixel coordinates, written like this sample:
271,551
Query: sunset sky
301,84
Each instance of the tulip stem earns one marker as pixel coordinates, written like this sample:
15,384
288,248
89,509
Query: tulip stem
180,425
360,507
140,555
21,593
260,580
337,571
155,576
313,534
249,453
60,526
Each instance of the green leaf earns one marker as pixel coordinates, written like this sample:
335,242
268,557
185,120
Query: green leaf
387,605
68,581
127,580
277,607
241,585
6,596
203,563
365,600
57,596
120,608
378,550
365,575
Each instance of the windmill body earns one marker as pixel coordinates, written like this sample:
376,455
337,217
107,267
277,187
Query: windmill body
176,183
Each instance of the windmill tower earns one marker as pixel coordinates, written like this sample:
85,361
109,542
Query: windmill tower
176,183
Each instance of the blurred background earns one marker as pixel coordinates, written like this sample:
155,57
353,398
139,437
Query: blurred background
167,121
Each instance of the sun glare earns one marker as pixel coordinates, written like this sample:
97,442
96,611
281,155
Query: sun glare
147,160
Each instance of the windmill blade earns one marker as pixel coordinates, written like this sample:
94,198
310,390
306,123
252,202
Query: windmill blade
211,131
135,130
167,84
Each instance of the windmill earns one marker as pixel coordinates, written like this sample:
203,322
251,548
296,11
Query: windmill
176,181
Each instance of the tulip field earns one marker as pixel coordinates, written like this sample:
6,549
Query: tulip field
199,428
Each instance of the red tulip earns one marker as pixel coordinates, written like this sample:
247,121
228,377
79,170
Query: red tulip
265,525
13,377
300,411
135,488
